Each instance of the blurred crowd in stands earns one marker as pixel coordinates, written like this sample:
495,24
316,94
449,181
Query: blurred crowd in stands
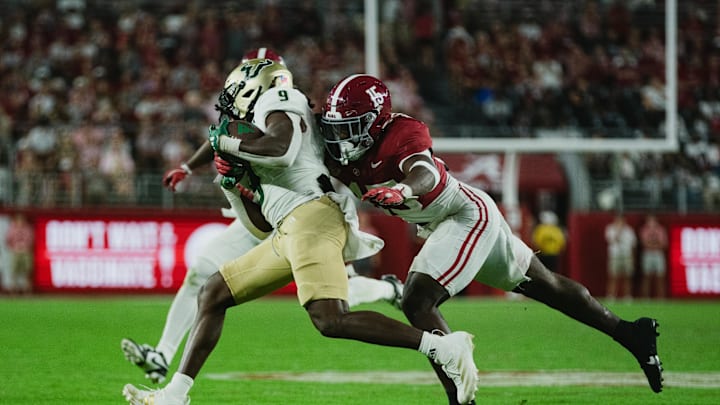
98,92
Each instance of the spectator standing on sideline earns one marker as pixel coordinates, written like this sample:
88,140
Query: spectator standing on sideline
20,239
621,242
654,241
549,239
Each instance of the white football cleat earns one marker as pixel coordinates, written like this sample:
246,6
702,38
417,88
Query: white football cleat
136,396
151,361
454,352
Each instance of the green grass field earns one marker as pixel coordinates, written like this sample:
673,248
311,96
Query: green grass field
65,350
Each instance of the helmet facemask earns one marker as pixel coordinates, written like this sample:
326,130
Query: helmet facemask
355,113
226,101
347,139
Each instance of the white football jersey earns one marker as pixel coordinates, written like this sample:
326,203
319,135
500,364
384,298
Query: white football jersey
284,188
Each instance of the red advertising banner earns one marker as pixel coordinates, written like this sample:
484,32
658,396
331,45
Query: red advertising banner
100,253
694,259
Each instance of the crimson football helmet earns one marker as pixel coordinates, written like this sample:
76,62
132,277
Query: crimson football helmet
354,115
263,53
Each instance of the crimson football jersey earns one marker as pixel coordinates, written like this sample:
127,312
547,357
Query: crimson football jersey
380,166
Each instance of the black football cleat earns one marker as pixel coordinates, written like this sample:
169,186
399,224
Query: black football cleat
644,349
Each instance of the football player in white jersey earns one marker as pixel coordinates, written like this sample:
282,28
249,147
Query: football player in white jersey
236,238
387,159
315,233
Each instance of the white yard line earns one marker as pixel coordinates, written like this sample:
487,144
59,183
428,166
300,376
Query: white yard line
487,379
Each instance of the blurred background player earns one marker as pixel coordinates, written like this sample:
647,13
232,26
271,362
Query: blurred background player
387,159
621,242
315,233
549,239
20,239
236,239
654,240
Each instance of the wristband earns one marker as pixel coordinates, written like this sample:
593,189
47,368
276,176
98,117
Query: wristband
186,168
229,145
404,189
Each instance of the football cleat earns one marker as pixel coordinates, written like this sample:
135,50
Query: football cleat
645,351
396,300
454,352
136,396
151,361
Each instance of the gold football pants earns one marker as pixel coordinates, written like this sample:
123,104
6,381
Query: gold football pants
307,247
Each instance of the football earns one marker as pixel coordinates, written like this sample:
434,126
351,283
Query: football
244,130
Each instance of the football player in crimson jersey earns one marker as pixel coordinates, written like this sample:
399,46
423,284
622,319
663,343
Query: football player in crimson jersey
387,159
315,233
240,236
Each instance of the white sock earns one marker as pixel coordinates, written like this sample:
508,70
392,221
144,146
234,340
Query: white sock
179,386
178,322
428,343
363,290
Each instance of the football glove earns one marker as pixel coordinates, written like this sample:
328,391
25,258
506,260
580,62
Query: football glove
175,176
227,168
232,172
222,142
216,132
385,197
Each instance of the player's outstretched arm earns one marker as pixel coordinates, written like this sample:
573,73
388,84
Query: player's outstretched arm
421,176
202,156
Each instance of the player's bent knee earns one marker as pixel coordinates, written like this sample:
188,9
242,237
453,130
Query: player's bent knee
546,286
422,311
327,317
417,307
580,290
422,296
215,294
199,273
330,327
193,282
